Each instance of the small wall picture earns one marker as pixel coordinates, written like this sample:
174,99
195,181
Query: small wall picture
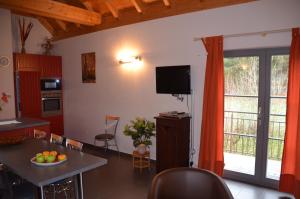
88,63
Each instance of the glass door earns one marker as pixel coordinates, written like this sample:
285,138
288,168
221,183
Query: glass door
254,117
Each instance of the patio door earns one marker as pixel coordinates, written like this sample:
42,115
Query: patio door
254,119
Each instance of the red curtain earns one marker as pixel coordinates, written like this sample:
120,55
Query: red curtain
211,155
290,169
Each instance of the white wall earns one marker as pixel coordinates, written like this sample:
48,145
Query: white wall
6,74
35,39
167,41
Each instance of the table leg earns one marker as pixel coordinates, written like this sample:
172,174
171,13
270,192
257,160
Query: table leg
42,192
79,190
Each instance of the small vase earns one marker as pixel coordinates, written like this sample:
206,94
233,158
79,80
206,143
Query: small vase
23,50
141,148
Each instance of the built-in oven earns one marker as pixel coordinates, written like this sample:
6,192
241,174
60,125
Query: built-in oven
51,103
50,84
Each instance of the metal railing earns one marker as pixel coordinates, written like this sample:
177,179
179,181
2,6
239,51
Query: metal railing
240,130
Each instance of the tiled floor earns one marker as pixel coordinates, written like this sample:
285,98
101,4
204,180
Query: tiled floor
245,191
118,179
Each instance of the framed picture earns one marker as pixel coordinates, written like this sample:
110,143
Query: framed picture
88,63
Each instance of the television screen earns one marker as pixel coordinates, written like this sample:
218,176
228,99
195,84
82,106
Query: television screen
173,79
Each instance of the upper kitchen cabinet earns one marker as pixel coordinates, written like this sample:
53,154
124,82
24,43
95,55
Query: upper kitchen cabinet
50,66
26,62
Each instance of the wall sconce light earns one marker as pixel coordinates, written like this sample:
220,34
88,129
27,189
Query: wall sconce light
130,60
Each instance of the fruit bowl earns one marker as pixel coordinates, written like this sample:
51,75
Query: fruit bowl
48,158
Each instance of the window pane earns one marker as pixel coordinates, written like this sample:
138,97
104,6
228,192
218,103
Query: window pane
279,83
241,75
240,120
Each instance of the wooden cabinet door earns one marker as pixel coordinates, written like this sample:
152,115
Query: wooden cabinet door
172,143
50,66
26,62
56,124
30,95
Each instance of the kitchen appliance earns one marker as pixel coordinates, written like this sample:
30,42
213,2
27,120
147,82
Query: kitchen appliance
50,84
51,103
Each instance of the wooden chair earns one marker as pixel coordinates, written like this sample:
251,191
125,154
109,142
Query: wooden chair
111,125
72,144
56,139
39,134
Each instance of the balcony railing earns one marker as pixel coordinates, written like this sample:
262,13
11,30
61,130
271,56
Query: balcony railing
240,130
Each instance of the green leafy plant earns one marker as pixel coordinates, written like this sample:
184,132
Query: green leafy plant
140,130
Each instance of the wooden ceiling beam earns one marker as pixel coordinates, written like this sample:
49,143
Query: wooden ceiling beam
167,2
88,5
53,9
47,25
61,24
151,11
137,6
113,11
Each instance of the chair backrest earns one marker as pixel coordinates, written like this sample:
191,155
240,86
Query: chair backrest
39,134
111,124
56,139
72,144
189,183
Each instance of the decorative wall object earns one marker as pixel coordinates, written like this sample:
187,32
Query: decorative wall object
47,46
88,63
4,61
24,33
3,100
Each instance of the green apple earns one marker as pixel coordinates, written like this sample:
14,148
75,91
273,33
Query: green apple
40,159
38,155
50,159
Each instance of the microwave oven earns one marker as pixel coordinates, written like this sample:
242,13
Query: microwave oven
51,84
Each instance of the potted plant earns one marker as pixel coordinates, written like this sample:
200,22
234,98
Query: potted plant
141,131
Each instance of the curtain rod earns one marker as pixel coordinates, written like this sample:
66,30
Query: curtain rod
263,33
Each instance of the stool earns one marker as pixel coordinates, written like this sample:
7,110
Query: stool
141,161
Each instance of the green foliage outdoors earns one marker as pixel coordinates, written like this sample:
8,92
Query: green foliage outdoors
240,123
140,130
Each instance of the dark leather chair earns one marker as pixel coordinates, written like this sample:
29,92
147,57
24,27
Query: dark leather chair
188,183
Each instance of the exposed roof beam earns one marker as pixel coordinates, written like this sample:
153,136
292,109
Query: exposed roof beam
61,24
153,10
166,2
136,5
53,9
47,25
88,5
113,11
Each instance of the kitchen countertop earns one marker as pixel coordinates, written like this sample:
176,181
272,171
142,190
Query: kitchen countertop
24,123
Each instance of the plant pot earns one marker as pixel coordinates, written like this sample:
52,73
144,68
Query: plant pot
141,148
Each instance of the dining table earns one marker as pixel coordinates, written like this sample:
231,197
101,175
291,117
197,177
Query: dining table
17,158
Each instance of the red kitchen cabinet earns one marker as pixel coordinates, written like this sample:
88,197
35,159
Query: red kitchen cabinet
30,69
56,124
30,94
50,66
26,62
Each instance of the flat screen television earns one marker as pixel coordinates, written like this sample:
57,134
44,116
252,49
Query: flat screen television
173,79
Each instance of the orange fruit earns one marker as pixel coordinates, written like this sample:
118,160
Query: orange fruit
46,153
53,153
61,157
